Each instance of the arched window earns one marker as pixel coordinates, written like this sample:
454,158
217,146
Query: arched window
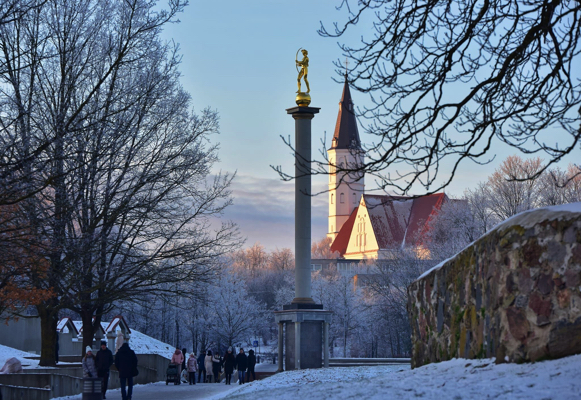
332,198
342,198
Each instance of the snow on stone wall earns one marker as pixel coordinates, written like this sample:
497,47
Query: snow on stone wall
514,294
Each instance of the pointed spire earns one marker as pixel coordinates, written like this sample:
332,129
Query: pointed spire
346,134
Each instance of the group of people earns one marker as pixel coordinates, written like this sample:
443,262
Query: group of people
98,366
210,366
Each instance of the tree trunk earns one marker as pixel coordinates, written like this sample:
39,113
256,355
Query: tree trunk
48,323
88,330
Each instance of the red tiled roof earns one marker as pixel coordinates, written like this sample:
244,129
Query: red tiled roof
342,240
395,220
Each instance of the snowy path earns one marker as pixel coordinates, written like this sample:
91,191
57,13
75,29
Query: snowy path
159,391
454,380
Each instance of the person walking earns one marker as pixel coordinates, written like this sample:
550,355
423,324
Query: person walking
103,361
201,367
178,358
241,365
251,364
216,367
126,363
89,367
208,365
192,366
229,363
184,368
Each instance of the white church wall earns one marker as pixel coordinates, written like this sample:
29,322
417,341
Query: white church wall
344,195
362,243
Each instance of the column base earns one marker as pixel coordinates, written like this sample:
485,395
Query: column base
302,306
303,300
311,331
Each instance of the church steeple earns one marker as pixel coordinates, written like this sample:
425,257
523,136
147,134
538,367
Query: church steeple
345,189
346,134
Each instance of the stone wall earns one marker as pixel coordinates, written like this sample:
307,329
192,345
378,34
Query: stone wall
514,294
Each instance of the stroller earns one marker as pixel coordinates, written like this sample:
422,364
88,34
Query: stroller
172,374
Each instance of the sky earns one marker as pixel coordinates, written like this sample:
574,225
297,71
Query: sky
238,58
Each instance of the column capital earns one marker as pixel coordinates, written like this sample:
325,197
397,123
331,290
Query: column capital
303,112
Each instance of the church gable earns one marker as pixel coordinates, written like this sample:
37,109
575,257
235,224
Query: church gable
362,240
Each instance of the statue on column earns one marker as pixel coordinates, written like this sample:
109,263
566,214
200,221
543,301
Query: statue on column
304,71
303,99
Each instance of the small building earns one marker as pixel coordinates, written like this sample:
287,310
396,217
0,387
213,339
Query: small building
68,337
24,334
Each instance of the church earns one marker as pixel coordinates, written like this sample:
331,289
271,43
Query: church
369,226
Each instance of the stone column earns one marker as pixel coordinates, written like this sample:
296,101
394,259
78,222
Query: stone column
303,117
297,345
280,346
326,345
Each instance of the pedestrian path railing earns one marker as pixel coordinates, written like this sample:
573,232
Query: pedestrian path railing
360,362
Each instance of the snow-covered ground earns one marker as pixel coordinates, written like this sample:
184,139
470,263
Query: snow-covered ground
455,379
9,352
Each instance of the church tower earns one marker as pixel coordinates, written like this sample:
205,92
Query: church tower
345,190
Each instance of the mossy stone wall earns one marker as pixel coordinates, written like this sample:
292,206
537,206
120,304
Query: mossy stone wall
515,294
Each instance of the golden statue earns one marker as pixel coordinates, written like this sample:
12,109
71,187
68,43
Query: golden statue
303,99
304,64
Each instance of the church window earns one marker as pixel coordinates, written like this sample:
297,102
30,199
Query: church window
332,198
342,198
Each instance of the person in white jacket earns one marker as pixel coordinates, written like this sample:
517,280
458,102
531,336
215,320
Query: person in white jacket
208,366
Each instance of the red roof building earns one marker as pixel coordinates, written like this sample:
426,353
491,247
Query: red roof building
364,226
381,224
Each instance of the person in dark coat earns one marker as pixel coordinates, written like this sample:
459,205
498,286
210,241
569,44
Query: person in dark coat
241,365
201,367
103,361
229,363
184,362
126,363
216,366
251,364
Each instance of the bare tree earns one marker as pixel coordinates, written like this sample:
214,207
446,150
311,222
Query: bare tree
322,249
514,187
117,163
282,260
479,202
559,186
448,80
250,261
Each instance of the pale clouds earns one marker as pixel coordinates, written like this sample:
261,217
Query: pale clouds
264,211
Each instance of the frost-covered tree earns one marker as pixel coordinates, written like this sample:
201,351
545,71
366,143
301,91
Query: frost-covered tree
322,249
386,294
235,316
457,224
282,260
513,187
